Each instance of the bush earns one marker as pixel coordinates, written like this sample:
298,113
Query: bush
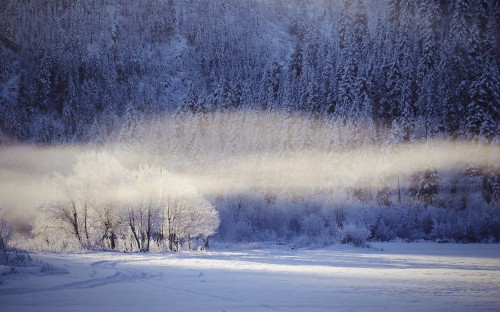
313,226
355,235
383,232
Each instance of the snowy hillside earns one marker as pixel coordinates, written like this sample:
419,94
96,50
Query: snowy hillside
71,70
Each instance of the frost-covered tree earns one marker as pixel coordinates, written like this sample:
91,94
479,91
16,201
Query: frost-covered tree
293,76
195,217
221,96
190,101
6,234
483,114
101,203
82,195
425,185
394,11
171,18
429,30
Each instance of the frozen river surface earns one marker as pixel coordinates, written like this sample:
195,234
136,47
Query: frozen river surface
386,277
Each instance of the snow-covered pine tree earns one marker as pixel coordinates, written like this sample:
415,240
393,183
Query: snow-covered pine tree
221,95
394,11
190,101
430,15
170,18
293,76
483,112
424,185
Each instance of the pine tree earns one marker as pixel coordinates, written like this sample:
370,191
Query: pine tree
363,110
394,11
189,104
44,84
390,108
346,83
238,99
459,25
360,27
21,116
454,66
276,73
326,80
202,105
294,76
170,18
345,25
308,84
129,125
430,16
483,112
221,96
425,185
86,109
405,113
69,114
408,13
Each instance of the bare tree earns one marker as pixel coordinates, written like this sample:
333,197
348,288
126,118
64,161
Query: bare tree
141,222
110,220
132,223
66,215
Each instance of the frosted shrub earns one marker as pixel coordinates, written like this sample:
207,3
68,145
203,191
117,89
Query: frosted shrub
316,232
485,223
354,234
406,223
313,225
382,231
242,231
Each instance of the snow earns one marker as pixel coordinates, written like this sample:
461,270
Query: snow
386,277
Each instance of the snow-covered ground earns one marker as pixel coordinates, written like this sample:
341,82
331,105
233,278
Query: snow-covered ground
386,277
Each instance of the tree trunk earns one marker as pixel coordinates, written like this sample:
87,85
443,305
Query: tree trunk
399,192
112,240
74,222
85,217
132,227
206,242
173,244
148,230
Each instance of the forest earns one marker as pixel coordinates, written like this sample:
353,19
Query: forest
310,122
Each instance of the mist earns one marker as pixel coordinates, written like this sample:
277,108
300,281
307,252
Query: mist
216,156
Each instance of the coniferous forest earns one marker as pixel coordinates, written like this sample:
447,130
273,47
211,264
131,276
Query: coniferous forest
308,121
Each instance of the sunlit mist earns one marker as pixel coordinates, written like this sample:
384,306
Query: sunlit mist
218,155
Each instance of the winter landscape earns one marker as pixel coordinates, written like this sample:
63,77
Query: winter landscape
249,155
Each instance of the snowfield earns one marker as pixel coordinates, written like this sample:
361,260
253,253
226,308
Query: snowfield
386,277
